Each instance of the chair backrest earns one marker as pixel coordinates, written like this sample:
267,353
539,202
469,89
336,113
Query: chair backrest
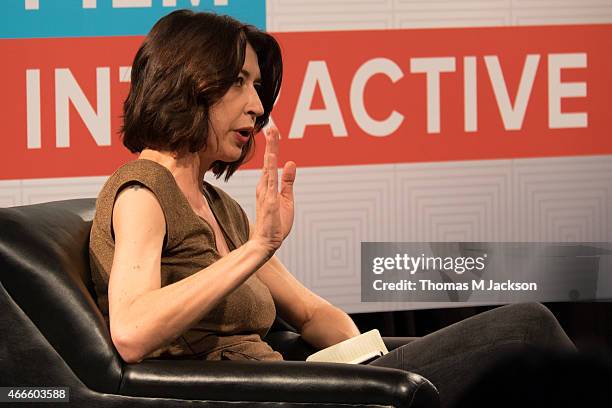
44,267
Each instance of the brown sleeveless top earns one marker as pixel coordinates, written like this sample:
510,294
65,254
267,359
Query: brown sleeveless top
234,328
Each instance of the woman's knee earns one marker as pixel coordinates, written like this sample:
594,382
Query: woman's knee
529,312
536,311
542,329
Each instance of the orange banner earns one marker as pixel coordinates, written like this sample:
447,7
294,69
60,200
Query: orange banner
348,98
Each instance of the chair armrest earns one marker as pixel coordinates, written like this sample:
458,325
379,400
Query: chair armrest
278,381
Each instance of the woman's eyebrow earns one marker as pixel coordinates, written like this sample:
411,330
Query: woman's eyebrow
247,74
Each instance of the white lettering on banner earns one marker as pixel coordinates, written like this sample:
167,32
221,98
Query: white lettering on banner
172,3
89,4
363,74
512,116
31,4
558,90
67,90
432,67
131,3
470,99
33,108
98,120
317,74
125,74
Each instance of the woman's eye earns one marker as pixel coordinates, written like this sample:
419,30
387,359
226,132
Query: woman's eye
258,88
239,81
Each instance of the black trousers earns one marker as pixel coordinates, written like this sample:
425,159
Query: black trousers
458,356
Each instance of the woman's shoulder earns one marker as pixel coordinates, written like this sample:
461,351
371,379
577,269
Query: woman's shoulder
141,169
148,173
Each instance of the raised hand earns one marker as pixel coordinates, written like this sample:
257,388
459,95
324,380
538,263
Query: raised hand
274,209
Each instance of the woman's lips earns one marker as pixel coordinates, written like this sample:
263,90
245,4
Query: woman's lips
241,138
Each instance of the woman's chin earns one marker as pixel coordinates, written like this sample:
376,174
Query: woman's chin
232,156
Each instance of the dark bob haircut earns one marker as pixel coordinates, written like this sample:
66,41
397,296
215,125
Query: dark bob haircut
187,62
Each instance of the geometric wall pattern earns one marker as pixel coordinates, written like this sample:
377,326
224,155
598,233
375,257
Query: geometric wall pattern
525,200
308,15
541,199
455,201
564,199
32,191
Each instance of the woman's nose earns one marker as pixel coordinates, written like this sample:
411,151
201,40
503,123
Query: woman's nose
254,106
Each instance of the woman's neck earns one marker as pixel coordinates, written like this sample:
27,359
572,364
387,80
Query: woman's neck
186,170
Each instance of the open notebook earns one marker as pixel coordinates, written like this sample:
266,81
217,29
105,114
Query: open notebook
356,350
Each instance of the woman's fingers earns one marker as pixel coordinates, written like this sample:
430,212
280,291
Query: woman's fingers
271,158
274,210
287,180
262,186
274,135
272,174
266,133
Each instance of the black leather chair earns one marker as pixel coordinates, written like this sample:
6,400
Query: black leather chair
52,334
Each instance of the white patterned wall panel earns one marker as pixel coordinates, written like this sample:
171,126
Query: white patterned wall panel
459,201
548,199
288,15
563,199
459,18
303,15
354,199
42,190
321,6
343,206
559,3
551,199
450,5
336,209
445,13
563,15
10,193
469,200
543,199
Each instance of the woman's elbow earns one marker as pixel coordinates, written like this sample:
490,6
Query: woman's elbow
127,346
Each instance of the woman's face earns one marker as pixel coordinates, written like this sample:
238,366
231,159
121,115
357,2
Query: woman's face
233,117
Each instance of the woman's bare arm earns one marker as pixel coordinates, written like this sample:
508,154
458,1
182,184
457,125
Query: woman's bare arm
320,323
145,316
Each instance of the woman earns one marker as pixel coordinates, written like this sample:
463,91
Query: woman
178,270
